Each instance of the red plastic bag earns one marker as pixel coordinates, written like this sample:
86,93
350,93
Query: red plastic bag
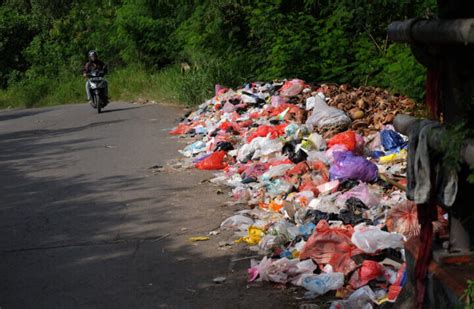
331,245
347,139
403,219
180,129
213,162
264,130
309,185
369,271
226,125
292,87
218,89
321,168
298,169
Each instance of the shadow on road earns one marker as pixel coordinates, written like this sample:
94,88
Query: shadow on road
118,109
10,115
71,241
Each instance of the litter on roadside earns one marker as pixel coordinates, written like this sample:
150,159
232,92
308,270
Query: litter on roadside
322,172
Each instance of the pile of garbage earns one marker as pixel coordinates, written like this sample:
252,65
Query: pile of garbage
323,173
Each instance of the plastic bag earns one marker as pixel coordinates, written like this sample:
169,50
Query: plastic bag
292,87
228,107
311,103
325,116
309,185
348,166
323,283
193,149
294,151
239,222
241,194
180,129
368,271
302,270
402,155
331,151
371,239
269,270
391,140
278,187
347,139
255,170
260,146
361,192
318,141
360,144
254,236
331,245
330,186
219,90
318,156
362,298
213,162
277,101
277,171
271,131
403,219
325,203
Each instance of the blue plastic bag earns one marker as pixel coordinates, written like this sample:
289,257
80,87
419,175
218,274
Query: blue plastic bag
391,140
349,166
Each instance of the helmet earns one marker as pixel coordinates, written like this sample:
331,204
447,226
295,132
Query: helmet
92,53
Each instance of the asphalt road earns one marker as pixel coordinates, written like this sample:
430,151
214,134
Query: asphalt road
85,223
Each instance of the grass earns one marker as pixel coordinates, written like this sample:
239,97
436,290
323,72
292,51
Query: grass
125,84
167,85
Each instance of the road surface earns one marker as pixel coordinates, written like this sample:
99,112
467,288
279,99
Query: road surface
85,222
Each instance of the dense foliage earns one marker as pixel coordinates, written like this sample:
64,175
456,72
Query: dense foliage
224,41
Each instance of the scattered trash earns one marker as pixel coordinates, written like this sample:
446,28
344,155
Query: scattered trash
199,238
324,175
219,279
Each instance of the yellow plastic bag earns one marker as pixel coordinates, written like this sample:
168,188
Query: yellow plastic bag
254,236
199,238
402,155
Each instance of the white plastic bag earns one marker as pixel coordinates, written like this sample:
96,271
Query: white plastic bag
362,298
323,283
276,171
238,222
326,116
326,203
370,239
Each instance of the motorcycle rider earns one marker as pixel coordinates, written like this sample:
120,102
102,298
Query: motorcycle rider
94,64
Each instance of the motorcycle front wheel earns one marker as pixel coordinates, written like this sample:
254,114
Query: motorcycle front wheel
97,102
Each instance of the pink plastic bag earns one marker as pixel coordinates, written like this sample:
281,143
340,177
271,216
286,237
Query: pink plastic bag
277,101
361,192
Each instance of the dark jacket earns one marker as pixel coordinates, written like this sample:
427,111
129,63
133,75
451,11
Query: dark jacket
94,66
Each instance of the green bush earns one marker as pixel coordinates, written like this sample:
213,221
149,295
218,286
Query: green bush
44,45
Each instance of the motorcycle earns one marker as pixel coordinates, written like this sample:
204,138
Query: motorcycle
98,85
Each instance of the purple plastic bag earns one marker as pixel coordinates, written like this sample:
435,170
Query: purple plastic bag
348,166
